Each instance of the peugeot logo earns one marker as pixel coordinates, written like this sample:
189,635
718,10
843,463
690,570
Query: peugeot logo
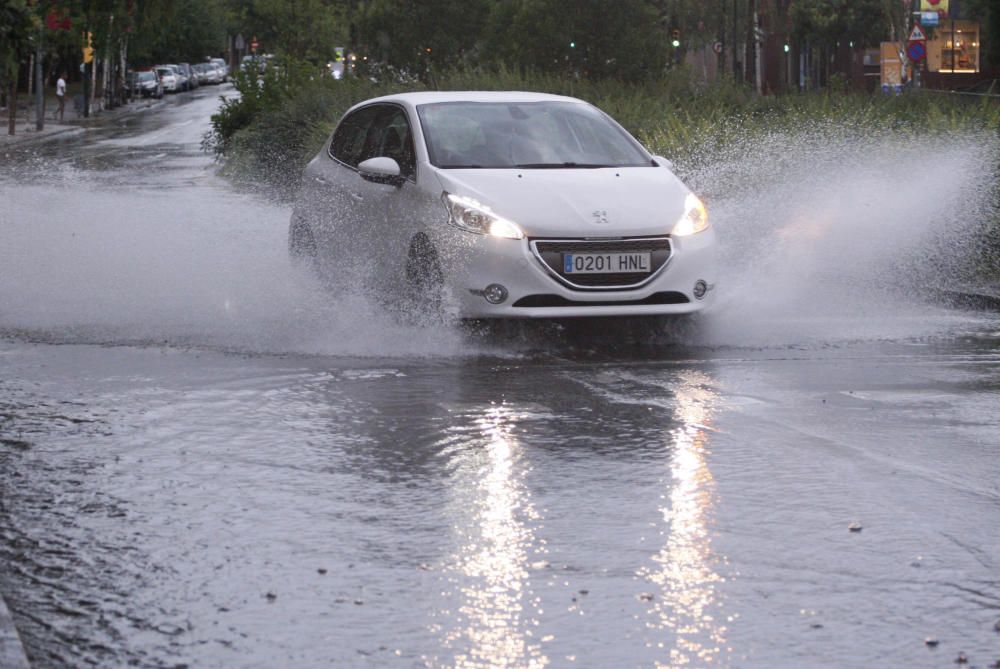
600,217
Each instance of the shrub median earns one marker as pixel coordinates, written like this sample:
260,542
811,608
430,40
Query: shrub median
280,120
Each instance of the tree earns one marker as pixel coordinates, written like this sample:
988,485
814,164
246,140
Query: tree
987,12
184,31
826,24
625,39
419,35
302,29
17,25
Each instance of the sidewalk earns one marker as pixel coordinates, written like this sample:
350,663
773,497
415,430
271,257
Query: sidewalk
25,129
11,651
26,132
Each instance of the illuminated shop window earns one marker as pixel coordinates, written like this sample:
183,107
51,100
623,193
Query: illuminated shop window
954,47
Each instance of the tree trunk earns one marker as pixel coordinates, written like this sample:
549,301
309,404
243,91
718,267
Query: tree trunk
721,38
12,103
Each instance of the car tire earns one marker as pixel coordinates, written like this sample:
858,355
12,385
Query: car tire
301,245
424,280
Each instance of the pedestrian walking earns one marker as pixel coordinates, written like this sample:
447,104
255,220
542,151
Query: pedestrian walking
61,96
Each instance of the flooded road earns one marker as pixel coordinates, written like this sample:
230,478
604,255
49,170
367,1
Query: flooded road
206,462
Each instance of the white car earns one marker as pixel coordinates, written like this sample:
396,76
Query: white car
169,78
221,67
502,205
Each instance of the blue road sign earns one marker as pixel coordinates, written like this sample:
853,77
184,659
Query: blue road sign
916,51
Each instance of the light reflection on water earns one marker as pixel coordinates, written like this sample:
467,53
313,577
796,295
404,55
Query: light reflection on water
496,609
686,604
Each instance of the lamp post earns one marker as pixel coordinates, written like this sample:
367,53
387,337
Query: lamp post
39,84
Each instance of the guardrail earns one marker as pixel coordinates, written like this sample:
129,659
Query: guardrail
994,96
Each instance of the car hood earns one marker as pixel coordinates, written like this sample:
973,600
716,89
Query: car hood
602,202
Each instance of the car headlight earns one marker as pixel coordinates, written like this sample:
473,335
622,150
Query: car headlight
695,218
468,214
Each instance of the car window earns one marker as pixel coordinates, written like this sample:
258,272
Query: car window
501,135
353,140
395,140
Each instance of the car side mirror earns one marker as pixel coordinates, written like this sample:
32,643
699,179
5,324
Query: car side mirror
663,162
381,170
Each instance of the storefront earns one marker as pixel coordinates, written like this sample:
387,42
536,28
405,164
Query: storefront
954,48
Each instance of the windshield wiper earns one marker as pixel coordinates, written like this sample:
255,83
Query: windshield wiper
556,166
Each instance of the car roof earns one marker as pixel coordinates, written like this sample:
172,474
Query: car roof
433,97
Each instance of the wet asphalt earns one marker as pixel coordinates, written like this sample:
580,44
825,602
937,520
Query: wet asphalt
206,463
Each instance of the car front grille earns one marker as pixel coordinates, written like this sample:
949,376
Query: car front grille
550,252
542,301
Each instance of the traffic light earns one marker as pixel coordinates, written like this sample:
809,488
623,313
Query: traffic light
675,37
88,49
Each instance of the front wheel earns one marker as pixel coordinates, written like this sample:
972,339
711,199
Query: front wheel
424,280
301,244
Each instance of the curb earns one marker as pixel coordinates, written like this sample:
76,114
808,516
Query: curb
28,136
971,299
11,651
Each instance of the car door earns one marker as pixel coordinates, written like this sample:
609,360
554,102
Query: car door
335,202
396,208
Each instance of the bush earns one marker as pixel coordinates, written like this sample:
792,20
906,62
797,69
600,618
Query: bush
280,121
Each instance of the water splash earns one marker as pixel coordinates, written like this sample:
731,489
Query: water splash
827,236
199,267
830,235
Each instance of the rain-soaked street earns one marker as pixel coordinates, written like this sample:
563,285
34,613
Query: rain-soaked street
207,461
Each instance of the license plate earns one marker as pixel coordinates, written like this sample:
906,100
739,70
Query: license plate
605,263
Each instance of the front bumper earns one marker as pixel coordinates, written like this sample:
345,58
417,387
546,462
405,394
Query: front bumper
533,292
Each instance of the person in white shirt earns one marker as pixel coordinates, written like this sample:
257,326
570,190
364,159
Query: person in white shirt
61,96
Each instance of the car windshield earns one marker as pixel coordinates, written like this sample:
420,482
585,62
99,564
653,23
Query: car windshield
147,76
525,135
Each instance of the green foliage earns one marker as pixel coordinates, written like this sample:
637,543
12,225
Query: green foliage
591,38
280,120
301,29
824,22
596,38
276,125
16,28
419,36
187,31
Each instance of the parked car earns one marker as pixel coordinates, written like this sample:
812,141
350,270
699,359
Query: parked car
250,63
493,205
192,80
207,73
144,83
182,82
222,66
169,78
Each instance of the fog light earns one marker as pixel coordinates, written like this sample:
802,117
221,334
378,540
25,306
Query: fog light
700,288
495,293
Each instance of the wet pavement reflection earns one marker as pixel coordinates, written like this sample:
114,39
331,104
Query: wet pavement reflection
203,465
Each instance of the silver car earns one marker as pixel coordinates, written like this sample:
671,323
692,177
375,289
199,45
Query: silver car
169,78
502,205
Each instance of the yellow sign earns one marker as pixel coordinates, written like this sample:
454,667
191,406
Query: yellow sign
88,51
940,6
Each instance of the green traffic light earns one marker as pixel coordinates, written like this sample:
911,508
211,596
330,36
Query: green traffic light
572,45
676,43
